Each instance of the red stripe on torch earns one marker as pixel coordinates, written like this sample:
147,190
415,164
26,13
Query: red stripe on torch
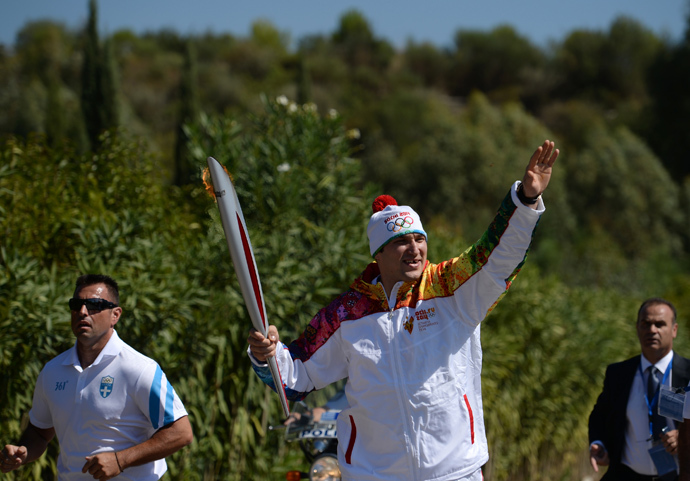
252,270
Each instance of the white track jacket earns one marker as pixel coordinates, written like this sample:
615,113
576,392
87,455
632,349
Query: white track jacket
413,361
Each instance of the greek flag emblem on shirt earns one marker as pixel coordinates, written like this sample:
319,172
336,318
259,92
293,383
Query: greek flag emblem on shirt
106,386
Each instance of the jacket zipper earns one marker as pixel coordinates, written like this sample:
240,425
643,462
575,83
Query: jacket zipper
396,369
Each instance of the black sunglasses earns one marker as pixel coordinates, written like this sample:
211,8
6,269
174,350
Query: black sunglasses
96,304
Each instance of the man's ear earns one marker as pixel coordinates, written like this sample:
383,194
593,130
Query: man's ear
115,316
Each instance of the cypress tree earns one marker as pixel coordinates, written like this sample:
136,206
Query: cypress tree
98,97
189,111
54,120
91,96
108,80
303,82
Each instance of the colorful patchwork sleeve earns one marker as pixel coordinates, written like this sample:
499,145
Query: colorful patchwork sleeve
481,275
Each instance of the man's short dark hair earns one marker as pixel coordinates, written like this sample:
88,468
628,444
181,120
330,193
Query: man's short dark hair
92,279
653,301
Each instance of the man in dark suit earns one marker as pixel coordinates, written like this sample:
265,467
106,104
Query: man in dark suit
624,426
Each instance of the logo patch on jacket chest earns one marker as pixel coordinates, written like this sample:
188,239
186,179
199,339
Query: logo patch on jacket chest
424,317
409,324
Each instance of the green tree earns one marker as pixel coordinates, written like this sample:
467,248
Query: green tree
669,114
91,96
266,35
630,50
303,82
624,218
189,112
609,68
41,85
55,120
355,41
31,81
110,87
495,63
455,165
98,99
429,63
578,60
258,59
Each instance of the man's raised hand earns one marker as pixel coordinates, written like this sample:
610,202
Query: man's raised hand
538,171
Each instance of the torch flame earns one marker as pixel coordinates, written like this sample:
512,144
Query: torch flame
208,184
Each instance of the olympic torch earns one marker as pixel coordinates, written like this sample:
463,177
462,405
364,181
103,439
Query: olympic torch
243,260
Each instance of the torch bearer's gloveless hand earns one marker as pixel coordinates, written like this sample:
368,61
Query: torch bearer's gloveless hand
263,347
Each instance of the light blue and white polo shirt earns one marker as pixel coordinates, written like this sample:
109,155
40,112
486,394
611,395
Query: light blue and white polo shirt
117,402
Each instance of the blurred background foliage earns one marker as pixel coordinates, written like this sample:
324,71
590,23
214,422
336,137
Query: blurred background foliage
104,141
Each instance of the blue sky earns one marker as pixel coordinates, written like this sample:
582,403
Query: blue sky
396,21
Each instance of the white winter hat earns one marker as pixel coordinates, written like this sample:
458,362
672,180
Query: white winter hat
389,221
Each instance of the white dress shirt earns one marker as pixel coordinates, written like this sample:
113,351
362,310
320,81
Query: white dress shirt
637,435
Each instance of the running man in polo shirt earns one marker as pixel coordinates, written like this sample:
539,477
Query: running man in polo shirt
113,410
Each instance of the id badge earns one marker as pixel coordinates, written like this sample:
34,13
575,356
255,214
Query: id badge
671,402
664,462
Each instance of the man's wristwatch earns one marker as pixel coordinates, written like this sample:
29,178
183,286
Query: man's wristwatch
523,198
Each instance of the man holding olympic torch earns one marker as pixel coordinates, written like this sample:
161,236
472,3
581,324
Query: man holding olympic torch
406,335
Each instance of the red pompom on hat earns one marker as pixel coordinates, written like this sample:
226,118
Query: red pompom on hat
381,202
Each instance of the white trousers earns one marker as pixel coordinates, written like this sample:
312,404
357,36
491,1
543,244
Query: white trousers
476,476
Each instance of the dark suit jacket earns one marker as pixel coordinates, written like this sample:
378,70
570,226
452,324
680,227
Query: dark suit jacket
608,421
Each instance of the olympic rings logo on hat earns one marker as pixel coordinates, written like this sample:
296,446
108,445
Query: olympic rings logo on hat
399,224
390,222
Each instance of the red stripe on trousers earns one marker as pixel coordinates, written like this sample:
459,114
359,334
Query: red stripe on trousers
469,409
351,445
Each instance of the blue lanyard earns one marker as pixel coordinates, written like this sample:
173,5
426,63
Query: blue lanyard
655,399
